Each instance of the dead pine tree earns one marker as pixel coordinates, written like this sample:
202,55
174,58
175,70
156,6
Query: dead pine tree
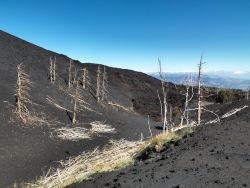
171,121
52,70
185,114
104,84
160,105
75,98
74,76
247,93
70,74
199,91
98,83
164,108
85,78
22,97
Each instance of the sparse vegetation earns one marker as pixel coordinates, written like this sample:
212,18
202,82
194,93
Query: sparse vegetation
101,127
158,141
224,96
72,133
117,155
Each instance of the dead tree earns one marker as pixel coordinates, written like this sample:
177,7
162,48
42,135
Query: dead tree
149,128
247,93
85,78
74,76
199,91
200,106
160,105
98,83
164,93
171,122
185,114
52,70
75,105
104,84
70,73
22,97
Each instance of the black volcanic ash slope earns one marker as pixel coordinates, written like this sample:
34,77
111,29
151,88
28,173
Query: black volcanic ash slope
216,155
28,150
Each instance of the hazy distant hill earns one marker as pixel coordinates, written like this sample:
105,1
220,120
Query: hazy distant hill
213,79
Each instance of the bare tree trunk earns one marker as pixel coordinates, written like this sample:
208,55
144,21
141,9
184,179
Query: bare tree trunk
19,93
164,92
104,82
186,106
84,78
74,76
75,106
98,84
149,127
165,114
69,81
247,93
171,118
160,104
188,84
182,118
52,70
199,92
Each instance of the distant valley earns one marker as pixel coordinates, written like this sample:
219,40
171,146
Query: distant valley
233,80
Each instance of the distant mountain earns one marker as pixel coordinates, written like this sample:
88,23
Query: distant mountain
233,80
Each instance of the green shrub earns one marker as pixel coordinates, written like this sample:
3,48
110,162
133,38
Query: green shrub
224,96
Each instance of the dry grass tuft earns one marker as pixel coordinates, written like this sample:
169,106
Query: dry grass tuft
159,140
118,106
117,155
73,134
80,133
101,127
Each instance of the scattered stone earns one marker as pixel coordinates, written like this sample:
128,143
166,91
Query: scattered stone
106,184
172,171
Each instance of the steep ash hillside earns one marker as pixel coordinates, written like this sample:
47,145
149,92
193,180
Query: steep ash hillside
29,149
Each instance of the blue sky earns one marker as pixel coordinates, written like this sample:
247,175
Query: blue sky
134,33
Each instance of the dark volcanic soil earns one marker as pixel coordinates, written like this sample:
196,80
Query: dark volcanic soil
216,155
28,150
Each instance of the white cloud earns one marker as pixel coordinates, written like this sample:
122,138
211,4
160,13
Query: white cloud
239,72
